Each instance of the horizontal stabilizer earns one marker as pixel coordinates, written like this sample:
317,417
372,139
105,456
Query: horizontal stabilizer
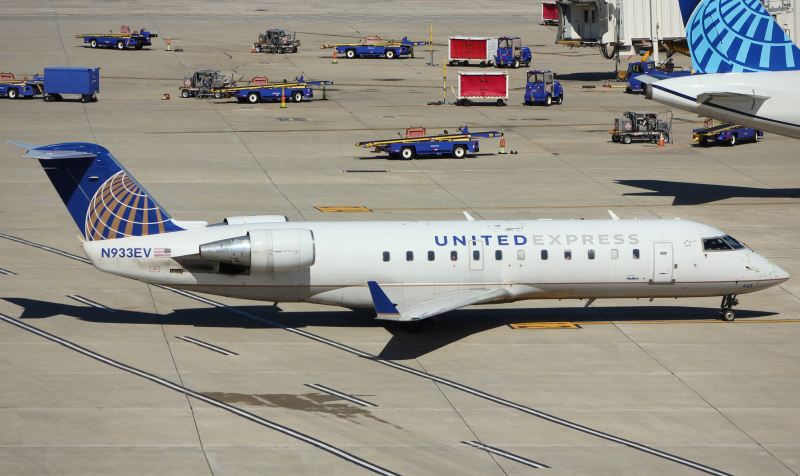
59,154
386,310
721,97
23,145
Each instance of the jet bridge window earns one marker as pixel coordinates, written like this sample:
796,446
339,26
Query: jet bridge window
386,256
636,253
591,254
498,255
454,256
409,256
567,254
431,256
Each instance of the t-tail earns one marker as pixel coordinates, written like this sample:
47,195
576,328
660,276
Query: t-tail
734,36
105,200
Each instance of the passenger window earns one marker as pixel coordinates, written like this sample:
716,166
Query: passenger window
386,256
614,254
498,255
454,256
591,254
476,255
520,255
716,244
431,256
567,254
636,253
409,256
544,254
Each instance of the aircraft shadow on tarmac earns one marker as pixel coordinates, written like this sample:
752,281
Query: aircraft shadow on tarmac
452,328
686,193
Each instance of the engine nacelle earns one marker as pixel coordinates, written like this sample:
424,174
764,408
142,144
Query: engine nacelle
265,251
255,219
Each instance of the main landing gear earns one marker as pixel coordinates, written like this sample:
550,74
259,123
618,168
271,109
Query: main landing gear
726,308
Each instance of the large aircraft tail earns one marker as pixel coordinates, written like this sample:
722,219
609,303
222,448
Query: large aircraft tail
103,198
732,36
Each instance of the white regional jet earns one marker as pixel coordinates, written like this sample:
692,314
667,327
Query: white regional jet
408,271
752,69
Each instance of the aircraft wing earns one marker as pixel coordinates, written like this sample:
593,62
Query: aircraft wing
23,145
723,97
388,311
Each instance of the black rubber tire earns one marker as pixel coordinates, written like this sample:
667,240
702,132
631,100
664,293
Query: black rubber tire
560,99
727,315
390,54
548,100
627,139
93,43
459,152
13,93
217,95
350,54
47,98
184,93
615,138
120,45
500,102
84,99
407,153
413,327
294,50
252,98
57,97
732,140
529,103
755,136
297,96
703,142
515,65
258,49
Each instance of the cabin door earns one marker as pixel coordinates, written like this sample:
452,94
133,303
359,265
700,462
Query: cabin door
663,263
476,255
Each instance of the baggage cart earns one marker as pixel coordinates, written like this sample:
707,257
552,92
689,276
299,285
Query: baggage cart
549,13
463,49
475,86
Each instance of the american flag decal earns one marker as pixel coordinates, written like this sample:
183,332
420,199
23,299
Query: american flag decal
162,252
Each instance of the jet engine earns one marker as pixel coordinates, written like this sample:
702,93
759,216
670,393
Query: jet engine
255,219
265,251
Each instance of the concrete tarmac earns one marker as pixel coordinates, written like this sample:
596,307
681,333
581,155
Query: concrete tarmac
112,392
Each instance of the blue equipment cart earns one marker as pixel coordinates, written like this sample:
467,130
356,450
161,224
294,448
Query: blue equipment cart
295,92
543,88
417,143
122,40
19,88
373,47
82,81
510,52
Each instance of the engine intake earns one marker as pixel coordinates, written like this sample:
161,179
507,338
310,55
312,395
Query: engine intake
265,251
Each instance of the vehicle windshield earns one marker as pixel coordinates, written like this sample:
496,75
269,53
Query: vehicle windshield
721,243
506,43
535,78
636,68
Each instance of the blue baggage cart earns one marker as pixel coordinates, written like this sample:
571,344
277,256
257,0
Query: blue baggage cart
82,81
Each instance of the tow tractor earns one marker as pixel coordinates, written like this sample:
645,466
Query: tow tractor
416,143
542,88
20,88
510,52
374,47
277,41
205,83
726,133
260,89
125,39
650,126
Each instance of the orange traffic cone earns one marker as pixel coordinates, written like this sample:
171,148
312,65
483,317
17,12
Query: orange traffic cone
283,98
254,49
661,140
334,56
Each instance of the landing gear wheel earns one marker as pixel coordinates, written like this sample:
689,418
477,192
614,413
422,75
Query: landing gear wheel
185,93
120,45
350,54
93,43
459,152
560,99
13,93
727,315
297,96
252,98
548,100
626,139
413,327
390,54
726,307
407,153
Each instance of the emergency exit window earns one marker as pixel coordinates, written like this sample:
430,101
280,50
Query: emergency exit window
636,253
386,256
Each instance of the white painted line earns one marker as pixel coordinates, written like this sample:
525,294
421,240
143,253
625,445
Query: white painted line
505,454
340,395
7,272
46,248
178,388
89,302
206,345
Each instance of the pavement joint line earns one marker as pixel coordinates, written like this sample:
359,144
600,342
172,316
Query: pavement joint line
449,383
89,302
206,345
505,454
7,272
46,248
335,393
181,389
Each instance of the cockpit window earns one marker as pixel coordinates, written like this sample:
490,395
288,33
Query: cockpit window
733,242
721,243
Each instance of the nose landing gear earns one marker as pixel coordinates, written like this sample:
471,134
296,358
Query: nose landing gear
726,308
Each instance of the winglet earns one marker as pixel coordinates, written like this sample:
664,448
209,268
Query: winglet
613,215
383,306
469,217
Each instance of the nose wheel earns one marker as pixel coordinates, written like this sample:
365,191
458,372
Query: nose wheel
726,308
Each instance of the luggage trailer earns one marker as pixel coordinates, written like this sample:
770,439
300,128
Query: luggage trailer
373,47
122,40
416,143
20,88
254,93
476,86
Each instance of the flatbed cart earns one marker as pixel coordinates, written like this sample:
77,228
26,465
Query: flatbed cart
373,47
295,92
650,126
20,88
123,40
726,133
416,143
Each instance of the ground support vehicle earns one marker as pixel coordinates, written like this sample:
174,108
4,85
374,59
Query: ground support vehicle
549,13
543,89
482,86
463,49
416,143
294,92
277,41
510,52
373,47
82,81
125,39
649,68
20,88
726,133
205,83
650,126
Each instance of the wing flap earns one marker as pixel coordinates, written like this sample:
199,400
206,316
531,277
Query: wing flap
723,97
